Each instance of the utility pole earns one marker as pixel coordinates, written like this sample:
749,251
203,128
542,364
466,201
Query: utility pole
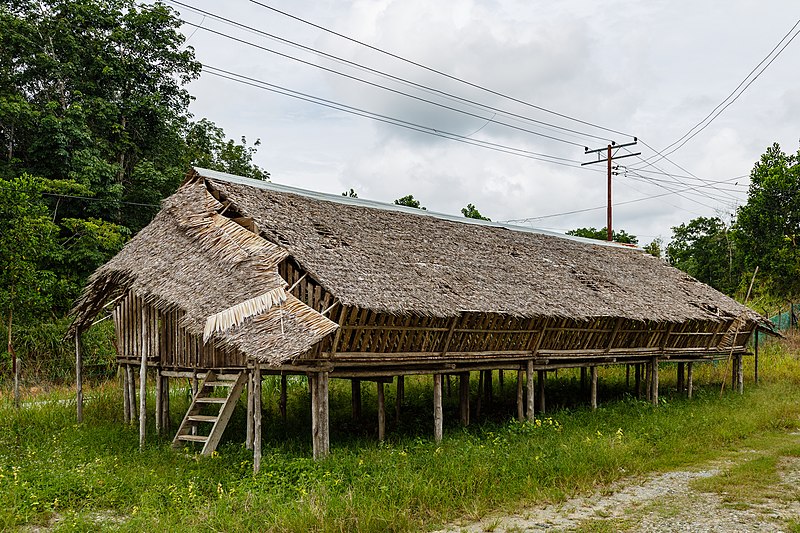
609,157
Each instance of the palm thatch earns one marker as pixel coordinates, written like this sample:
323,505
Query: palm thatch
221,250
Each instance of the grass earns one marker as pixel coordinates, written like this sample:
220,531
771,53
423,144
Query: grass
72,477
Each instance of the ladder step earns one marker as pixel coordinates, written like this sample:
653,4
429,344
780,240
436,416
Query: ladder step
219,384
192,438
202,418
211,399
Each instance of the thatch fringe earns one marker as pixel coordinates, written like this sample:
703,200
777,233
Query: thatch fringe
233,316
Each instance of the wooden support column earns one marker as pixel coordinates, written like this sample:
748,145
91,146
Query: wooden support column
463,398
583,378
126,398
355,398
131,392
680,378
159,413
648,380
283,398
487,389
142,399
195,387
500,378
438,416
627,376
542,376
78,376
689,380
593,393
319,420
520,399
257,418
248,439
401,392
654,379
479,397
381,412
637,379
529,414
166,420
740,373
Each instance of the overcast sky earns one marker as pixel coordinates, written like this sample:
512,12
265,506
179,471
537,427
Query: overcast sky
648,69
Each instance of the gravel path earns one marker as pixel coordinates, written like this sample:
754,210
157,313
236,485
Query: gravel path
659,503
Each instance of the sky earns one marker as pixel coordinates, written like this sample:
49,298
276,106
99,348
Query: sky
579,74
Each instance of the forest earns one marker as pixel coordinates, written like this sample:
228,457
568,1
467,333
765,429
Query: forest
95,131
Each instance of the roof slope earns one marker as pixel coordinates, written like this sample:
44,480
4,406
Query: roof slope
405,261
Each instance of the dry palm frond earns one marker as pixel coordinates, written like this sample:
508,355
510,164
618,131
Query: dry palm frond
233,316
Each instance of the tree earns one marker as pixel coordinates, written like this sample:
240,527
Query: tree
768,225
704,249
655,247
472,212
208,147
409,201
602,233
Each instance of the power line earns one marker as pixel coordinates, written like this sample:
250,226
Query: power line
546,125
384,87
261,84
439,72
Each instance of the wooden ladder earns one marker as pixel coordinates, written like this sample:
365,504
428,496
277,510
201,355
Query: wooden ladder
194,417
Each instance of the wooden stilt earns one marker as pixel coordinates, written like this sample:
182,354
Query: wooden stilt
583,378
487,389
648,380
381,412
437,408
355,398
542,377
479,397
142,399
449,389
627,376
529,414
131,392
166,420
401,388
256,418
320,428
78,377
654,373
740,373
500,376
126,397
680,378
195,385
159,414
689,381
248,439
593,393
520,399
283,398
463,398
637,379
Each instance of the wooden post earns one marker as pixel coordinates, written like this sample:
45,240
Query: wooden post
487,389
689,381
437,408
131,392
740,373
542,376
593,392
159,414
583,378
398,399
637,379
78,376
195,385
627,375
355,398
126,397
654,374
381,412
530,415
479,397
755,355
449,389
248,439
463,398
319,419
142,398
648,380
283,398
520,399
500,378
257,418
166,420
680,378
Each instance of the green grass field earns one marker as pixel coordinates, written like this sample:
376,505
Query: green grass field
56,473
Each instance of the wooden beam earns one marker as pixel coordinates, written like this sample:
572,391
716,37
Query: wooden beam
256,418
437,408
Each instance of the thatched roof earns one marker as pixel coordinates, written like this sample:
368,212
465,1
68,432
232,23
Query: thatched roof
375,256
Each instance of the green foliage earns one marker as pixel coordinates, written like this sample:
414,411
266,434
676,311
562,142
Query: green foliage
472,212
655,247
704,249
208,148
768,226
409,201
602,234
